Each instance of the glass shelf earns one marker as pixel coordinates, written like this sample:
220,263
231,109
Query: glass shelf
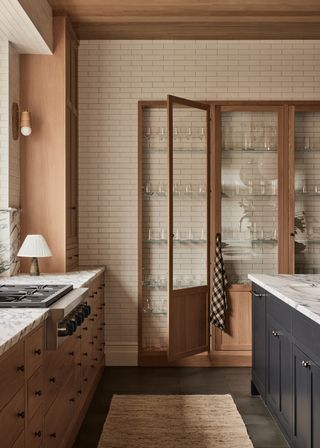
308,193
250,151
307,151
175,241
225,195
250,242
165,150
154,313
181,195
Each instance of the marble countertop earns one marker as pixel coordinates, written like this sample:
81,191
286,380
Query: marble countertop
16,323
76,278
300,291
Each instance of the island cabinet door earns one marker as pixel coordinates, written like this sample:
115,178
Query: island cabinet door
306,421
259,338
279,374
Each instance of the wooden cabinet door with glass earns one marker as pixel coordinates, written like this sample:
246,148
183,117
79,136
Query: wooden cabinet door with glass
247,146
174,152
304,127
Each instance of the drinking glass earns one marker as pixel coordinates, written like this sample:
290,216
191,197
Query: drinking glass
147,136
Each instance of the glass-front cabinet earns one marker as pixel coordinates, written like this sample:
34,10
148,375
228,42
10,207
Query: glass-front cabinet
174,223
249,191
306,218
247,170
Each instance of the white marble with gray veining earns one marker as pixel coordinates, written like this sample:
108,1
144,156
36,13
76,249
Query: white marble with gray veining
16,323
75,278
301,291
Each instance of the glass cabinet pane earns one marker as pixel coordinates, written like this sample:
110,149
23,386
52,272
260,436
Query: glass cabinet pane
189,197
249,209
154,224
307,192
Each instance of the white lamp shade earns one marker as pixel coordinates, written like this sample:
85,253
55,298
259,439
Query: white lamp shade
34,246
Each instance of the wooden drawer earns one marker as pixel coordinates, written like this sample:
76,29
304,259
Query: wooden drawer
12,373
279,311
19,443
12,419
34,351
60,414
35,392
58,365
34,430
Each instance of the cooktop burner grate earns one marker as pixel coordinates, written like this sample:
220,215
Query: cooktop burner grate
36,296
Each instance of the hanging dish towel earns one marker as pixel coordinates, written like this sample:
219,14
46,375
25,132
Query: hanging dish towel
219,305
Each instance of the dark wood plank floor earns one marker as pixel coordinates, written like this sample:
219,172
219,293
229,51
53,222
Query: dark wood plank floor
138,380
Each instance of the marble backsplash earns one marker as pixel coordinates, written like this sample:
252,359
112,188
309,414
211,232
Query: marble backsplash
9,241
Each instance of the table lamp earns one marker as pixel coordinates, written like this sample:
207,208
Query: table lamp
34,246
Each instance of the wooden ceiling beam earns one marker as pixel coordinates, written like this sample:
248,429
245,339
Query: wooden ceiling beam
192,30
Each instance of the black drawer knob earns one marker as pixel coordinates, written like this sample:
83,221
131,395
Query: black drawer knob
85,380
79,392
21,414
52,379
53,435
79,364
37,351
85,328
20,368
85,354
95,359
38,434
72,400
38,393
71,353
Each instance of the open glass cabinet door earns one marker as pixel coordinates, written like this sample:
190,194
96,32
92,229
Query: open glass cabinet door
189,229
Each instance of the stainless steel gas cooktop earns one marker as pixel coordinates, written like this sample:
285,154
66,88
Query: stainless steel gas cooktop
31,296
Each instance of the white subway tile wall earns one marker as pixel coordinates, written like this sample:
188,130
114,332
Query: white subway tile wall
4,123
113,76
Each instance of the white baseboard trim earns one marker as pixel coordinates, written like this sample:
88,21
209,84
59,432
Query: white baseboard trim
121,354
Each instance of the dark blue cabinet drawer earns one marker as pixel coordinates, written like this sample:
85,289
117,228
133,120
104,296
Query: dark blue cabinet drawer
279,311
307,334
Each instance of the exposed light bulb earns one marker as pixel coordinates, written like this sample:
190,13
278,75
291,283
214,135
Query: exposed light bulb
26,130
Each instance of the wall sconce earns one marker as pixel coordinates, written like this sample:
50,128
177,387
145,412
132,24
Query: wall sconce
25,123
22,123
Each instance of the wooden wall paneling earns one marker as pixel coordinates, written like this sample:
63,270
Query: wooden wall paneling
283,191
140,222
291,169
42,87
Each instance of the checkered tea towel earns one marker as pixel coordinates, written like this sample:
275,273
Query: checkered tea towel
219,305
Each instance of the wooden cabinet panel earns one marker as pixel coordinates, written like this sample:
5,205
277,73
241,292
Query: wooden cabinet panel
12,420
34,351
19,443
238,327
34,431
60,414
12,373
35,392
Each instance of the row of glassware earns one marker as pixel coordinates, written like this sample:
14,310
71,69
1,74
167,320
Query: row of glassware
160,189
261,187
190,235
179,281
179,133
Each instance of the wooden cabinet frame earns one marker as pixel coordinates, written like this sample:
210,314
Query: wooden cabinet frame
221,353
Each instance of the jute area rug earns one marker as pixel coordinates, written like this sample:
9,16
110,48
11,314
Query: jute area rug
174,421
